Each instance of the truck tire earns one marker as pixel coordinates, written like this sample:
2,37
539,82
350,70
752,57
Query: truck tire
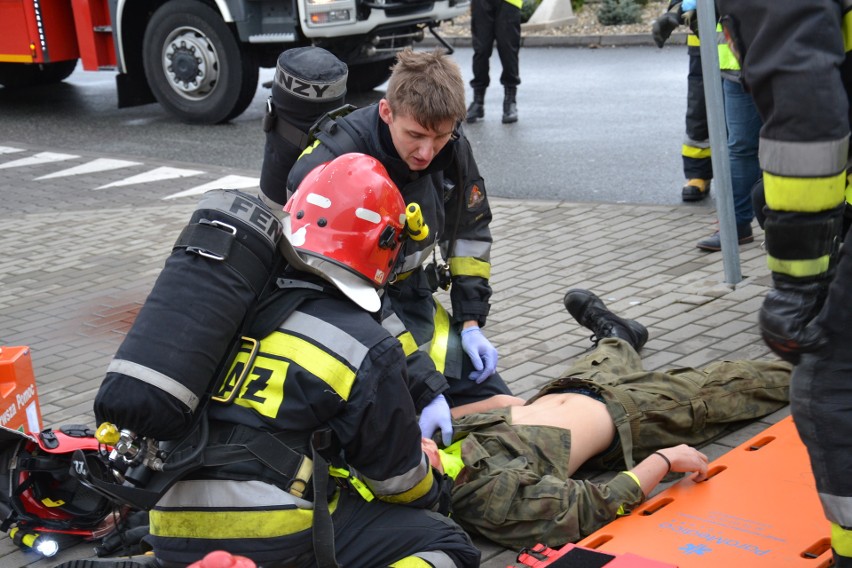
16,75
195,65
364,77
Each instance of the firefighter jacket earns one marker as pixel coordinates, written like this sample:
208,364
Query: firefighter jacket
451,195
328,365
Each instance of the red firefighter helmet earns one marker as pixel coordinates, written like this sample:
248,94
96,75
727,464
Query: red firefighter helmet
38,490
344,223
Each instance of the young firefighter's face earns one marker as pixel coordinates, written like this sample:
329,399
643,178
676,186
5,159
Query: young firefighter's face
415,144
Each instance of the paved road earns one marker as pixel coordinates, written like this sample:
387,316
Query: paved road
597,125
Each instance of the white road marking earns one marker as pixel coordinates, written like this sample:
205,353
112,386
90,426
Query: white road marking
227,182
97,165
38,159
157,174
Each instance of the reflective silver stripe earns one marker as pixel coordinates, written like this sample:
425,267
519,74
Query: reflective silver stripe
475,249
415,259
837,509
155,379
223,494
323,333
436,558
696,143
393,325
400,483
803,159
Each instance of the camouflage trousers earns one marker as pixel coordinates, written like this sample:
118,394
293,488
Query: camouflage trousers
515,488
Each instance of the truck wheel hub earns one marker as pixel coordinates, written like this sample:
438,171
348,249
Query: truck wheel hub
190,63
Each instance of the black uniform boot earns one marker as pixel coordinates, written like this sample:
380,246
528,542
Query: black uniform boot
476,110
510,107
590,312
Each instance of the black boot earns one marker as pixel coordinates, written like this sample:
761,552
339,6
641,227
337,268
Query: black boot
476,110
510,107
590,312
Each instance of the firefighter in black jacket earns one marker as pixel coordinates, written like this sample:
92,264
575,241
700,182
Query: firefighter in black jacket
329,366
415,133
795,65
695,151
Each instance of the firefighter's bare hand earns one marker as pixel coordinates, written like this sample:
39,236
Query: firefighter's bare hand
687,459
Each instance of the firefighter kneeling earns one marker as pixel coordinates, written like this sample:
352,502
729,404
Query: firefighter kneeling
329,383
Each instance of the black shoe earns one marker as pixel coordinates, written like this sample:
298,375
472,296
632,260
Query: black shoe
590,312
475,111
713,243
695,190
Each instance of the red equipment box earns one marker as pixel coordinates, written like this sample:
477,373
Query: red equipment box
19,408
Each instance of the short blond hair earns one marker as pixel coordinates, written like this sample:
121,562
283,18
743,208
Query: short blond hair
426,86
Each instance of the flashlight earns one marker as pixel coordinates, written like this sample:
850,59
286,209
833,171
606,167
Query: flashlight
42,544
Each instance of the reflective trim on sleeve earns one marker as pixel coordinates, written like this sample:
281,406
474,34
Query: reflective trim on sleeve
405,488
440,338
476,249
823,159
837,509
847,30
841,540
806,195
516,3
415,259
694,152
396,328
312,358
155,379
323,333
467,266
798,268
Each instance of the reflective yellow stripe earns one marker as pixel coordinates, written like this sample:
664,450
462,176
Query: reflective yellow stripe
13,58
469,266
692,40
727,60
807,195
841,540
516,3
309,148
409,344
693,152
403,275
440,338
847,31
315,360
422,488
451,459
411,562
353,481
798,268
231,524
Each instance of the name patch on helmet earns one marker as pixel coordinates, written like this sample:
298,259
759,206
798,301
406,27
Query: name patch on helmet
308,90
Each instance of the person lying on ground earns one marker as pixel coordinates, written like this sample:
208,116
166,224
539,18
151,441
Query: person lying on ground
521,471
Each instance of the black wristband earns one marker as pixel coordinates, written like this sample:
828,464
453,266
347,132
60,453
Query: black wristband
668,462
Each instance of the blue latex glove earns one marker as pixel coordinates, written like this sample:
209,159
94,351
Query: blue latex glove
688,5
482,354
436,416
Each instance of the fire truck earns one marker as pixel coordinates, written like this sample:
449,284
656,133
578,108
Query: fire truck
200,58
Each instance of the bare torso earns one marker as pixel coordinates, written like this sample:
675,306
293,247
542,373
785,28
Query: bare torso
592,429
